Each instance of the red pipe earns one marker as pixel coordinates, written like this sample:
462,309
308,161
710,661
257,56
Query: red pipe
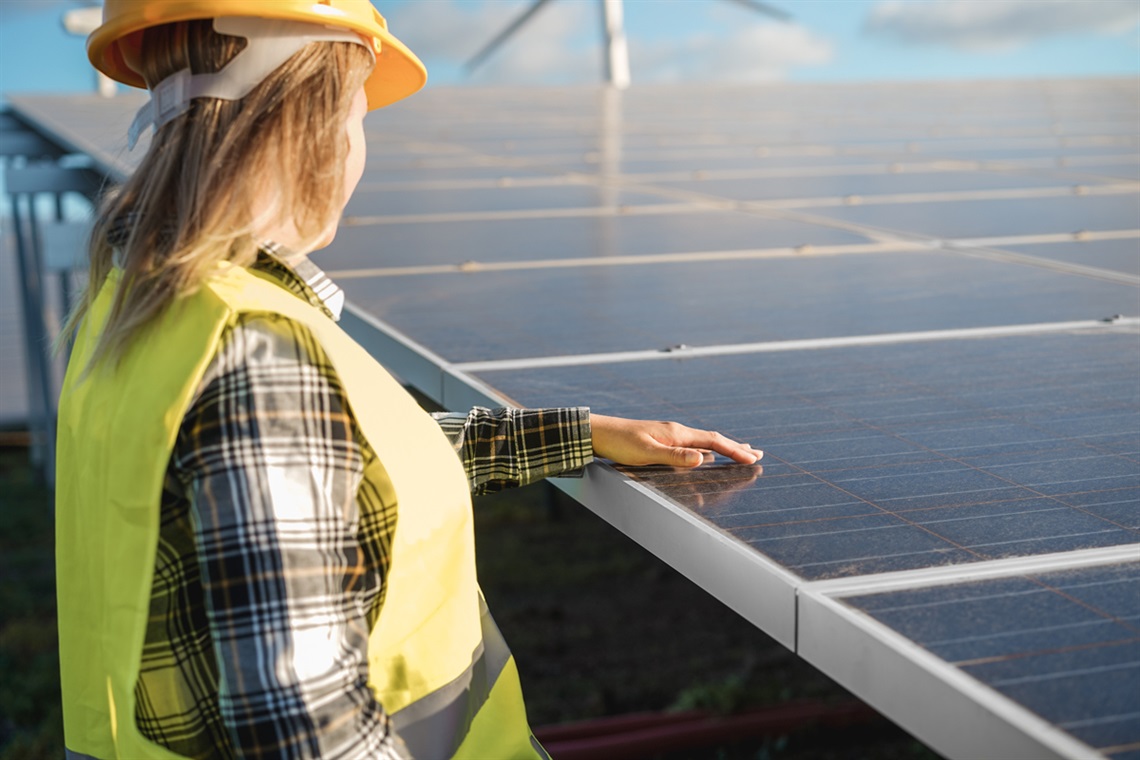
626,737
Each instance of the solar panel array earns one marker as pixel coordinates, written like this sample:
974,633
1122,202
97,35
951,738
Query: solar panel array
920,300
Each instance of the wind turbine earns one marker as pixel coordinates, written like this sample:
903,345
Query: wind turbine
615,58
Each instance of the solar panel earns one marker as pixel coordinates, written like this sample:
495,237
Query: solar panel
870,184
1120,255
775,296
1058,213
597,231
921,300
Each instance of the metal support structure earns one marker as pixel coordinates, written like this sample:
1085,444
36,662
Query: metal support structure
18,147
35,338
35,239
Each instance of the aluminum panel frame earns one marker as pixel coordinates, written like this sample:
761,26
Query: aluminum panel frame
708,557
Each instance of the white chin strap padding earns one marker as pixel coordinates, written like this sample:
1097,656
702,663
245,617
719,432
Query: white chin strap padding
271,42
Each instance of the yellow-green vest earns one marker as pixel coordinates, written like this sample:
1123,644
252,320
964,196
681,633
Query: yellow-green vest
436,661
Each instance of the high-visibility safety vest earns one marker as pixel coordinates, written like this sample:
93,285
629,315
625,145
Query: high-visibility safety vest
436,660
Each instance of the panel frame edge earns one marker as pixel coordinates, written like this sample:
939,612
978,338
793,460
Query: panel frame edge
900,679
708,557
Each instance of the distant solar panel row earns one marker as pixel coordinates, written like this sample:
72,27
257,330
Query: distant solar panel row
920,300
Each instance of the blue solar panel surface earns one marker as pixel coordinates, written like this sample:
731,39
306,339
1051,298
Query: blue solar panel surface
996,216
1065,644
440,240
794,296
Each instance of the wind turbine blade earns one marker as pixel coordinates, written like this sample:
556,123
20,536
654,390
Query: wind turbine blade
766,9
502,36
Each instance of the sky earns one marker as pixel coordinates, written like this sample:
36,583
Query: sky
690,41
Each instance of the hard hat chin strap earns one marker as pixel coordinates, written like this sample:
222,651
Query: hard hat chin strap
271,42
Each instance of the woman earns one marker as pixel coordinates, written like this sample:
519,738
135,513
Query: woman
264,546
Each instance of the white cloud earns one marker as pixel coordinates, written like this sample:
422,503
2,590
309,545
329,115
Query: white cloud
998,24
754,52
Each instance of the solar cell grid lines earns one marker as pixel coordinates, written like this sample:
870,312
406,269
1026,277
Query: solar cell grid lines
1060,642
921,300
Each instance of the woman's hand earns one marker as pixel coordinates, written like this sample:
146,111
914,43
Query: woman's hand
640,442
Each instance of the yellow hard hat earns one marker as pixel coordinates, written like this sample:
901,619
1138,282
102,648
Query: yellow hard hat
398,73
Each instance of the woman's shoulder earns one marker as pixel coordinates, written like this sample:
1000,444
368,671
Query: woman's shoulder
267,358
269,340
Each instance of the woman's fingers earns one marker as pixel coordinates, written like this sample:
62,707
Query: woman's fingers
639,442
707,440
679,456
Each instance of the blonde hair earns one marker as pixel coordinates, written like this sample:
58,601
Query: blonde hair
192,201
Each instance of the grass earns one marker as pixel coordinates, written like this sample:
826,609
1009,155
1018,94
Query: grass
598,626
31,720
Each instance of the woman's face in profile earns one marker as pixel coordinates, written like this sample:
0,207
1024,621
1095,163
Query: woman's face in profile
357,147
354,161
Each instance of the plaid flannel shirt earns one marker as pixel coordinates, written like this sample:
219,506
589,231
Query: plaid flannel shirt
273,552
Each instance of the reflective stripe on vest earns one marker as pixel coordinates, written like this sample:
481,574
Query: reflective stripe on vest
430,725
436,660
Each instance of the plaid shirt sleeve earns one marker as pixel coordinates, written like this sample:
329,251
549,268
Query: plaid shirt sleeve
272,463
503,448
